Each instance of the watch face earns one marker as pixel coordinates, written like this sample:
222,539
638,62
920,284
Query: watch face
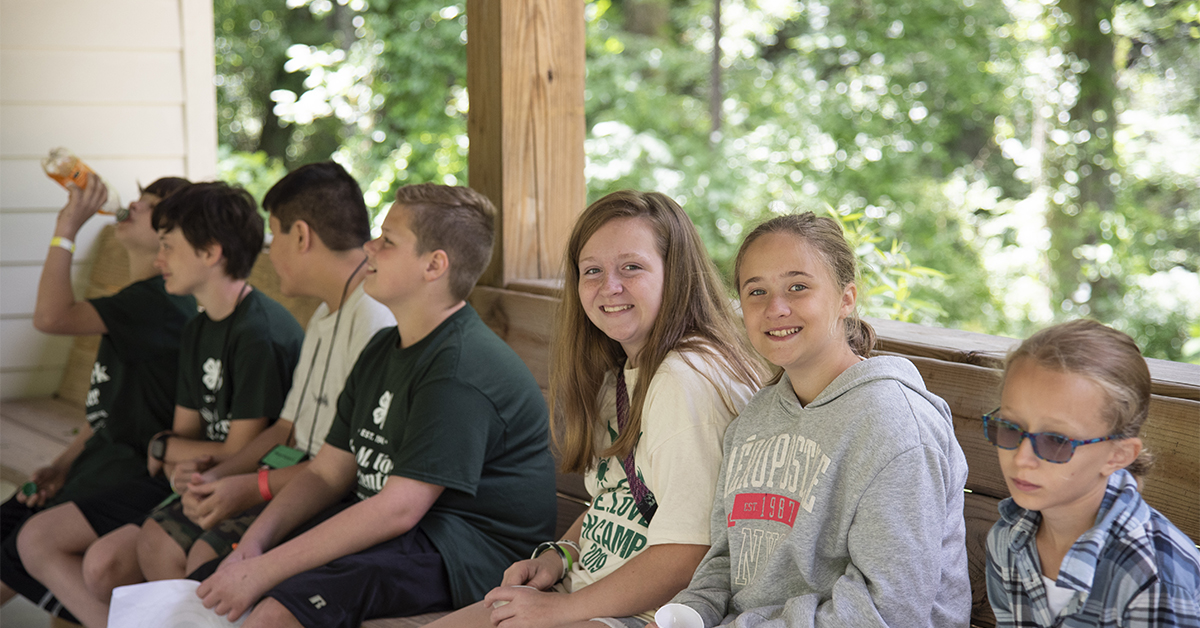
158,448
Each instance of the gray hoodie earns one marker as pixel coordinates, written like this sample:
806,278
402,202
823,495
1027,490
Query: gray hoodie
847,512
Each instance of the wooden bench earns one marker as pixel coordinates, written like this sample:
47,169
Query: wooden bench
961,367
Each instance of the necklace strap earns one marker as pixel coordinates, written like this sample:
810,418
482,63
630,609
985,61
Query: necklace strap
642,496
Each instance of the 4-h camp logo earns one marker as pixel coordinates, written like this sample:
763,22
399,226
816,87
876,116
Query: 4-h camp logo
212,374
380,413
99,373
99,376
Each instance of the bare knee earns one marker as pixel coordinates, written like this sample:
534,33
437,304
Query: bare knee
271,614
158,555
112,562
58,531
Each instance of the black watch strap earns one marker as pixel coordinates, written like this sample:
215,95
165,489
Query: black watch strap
158,446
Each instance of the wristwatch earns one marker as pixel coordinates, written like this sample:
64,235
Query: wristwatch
158,446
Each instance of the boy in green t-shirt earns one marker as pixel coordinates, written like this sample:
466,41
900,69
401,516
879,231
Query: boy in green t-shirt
235,366
132,392
436,472
320,224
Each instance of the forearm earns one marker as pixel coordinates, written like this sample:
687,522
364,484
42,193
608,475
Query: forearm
186,446
65,459
56,310
278,479
305,495
180,449
363,525
246,459
646,581
709,591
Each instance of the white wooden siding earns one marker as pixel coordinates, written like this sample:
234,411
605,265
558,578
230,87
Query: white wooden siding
127,86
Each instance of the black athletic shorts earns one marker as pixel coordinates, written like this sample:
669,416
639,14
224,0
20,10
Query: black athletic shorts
396,578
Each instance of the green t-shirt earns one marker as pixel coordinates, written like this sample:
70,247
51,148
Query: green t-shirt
132,393
239,367
460,410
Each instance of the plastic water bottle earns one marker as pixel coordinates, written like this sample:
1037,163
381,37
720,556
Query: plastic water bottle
63,166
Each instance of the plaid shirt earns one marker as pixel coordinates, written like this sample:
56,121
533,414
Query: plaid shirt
1132,569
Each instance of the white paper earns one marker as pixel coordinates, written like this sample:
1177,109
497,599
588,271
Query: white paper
163,604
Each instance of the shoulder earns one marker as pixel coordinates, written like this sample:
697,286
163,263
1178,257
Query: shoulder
890,395
148,295
267,318
700,372
1176,558
466,344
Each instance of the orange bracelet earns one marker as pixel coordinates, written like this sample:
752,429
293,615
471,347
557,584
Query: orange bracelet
264,484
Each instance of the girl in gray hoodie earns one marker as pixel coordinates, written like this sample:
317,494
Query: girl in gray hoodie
840,498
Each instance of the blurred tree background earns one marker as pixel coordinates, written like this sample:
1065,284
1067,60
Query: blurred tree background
1000,165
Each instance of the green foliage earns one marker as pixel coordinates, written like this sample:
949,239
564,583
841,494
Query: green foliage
998,165
256,172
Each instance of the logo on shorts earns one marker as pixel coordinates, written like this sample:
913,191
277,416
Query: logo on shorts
317,601
380,413
212,374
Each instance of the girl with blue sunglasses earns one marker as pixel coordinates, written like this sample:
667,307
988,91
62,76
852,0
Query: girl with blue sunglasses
1075,544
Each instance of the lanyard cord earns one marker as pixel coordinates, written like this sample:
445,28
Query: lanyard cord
337,321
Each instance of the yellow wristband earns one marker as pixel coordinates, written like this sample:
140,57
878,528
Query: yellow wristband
63,243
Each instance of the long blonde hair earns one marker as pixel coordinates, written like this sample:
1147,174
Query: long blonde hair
695,316
1107,357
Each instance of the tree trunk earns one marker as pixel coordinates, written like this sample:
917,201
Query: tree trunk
1075,221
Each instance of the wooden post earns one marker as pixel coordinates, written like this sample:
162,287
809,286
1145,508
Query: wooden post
525,75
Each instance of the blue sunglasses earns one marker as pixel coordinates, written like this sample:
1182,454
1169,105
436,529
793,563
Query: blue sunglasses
1048,446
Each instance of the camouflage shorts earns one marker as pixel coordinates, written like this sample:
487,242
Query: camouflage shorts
221,538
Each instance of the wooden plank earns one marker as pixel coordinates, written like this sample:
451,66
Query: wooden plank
1170,379
550,287
64,24
524,321
950,345
55,419
24,450
109,76
1172,433
126,130
980,513
525,77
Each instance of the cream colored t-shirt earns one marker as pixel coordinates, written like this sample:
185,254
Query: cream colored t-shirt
362,317
688,406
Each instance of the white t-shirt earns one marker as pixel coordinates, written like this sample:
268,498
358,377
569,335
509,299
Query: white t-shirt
310,406
688,406
1056,597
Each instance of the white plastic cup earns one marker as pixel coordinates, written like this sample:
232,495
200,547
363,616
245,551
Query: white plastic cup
500,603
678,616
